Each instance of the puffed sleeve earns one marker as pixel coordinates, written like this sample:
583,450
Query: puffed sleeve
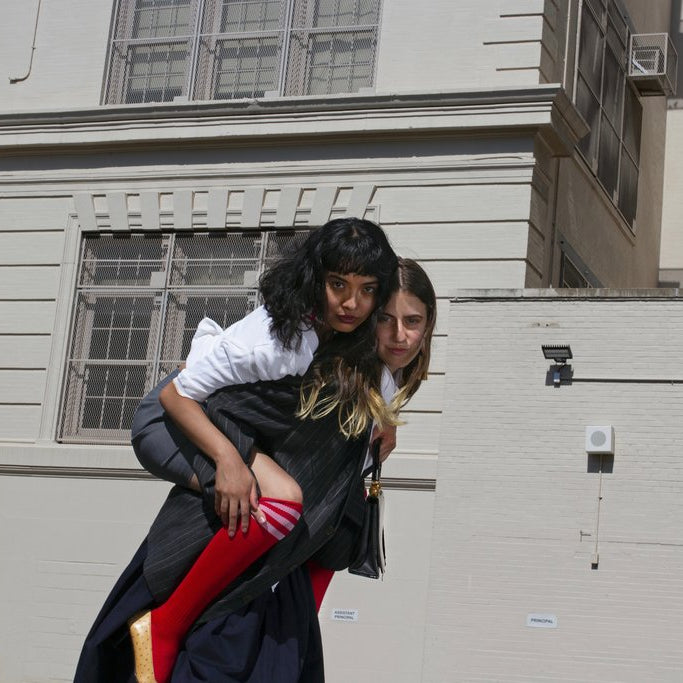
226,364
244,353
208,332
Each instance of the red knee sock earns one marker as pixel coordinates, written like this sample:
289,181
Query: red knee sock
219,564
320,580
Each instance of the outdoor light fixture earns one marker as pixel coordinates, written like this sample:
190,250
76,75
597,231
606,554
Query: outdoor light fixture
560,353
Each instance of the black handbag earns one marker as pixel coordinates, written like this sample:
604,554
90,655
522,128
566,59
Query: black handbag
370,557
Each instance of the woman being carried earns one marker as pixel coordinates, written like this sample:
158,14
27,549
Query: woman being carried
333,489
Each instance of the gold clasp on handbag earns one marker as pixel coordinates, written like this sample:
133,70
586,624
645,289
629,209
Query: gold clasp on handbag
375,488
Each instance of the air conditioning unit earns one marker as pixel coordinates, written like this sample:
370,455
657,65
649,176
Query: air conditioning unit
652,63
600,440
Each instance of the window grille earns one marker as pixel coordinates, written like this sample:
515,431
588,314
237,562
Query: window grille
609,103
137,304
163,50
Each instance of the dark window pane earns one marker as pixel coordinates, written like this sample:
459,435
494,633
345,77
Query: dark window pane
111,414
161,18
590,110
240,16
613,89
617,29
628,188
117,381
570,275
129,408
608,158
633,117
590,51
156,73
330,13
247,67
92,413
121,261
119,344
597,6
99,344
139,340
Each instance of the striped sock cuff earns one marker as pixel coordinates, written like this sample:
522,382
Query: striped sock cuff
281,516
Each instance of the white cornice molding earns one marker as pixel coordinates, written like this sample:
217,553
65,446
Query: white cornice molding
544,109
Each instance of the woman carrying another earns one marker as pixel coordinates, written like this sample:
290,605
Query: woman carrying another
404,336
323,294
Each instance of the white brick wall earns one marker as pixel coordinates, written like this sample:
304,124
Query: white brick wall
516,493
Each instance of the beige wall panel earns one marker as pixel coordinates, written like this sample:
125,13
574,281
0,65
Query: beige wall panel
391,613
441,316
650,17
650,192
59,76
26,317
437,360
23,282
671,252
464,202
515,26
22,386
536,250
460,240
430,395
616,258
420,432
57,568
517,496
35,213
554,31
447,276
24,351
19,423
31,248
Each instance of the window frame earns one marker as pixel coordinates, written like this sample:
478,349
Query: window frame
175,308
612,173
293,67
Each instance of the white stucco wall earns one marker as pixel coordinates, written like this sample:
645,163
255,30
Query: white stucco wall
440,46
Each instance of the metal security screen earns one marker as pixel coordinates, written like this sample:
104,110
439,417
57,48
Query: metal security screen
164,50
137,304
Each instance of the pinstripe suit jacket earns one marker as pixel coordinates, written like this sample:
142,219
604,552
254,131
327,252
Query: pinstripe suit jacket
325,464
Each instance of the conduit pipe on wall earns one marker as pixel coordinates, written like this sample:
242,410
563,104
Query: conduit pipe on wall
33,49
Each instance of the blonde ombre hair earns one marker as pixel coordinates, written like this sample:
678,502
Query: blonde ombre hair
346,375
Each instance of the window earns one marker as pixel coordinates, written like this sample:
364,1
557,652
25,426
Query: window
609,103
226,49
570,275
138,301
574,273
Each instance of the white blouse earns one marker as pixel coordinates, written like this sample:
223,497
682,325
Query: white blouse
245,352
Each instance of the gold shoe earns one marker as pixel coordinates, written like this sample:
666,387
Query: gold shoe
141,634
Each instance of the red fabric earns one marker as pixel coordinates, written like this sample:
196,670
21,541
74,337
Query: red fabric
220,563
320,581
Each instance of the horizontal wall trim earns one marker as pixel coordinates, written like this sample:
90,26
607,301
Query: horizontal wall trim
598,295
280,105
389,483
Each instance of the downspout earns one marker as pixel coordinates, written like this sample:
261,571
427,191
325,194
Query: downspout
33,49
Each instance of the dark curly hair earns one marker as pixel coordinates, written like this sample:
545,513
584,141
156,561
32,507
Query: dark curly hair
294,288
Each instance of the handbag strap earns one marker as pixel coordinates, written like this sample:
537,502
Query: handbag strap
376,462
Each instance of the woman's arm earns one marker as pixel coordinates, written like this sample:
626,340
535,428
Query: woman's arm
236,493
